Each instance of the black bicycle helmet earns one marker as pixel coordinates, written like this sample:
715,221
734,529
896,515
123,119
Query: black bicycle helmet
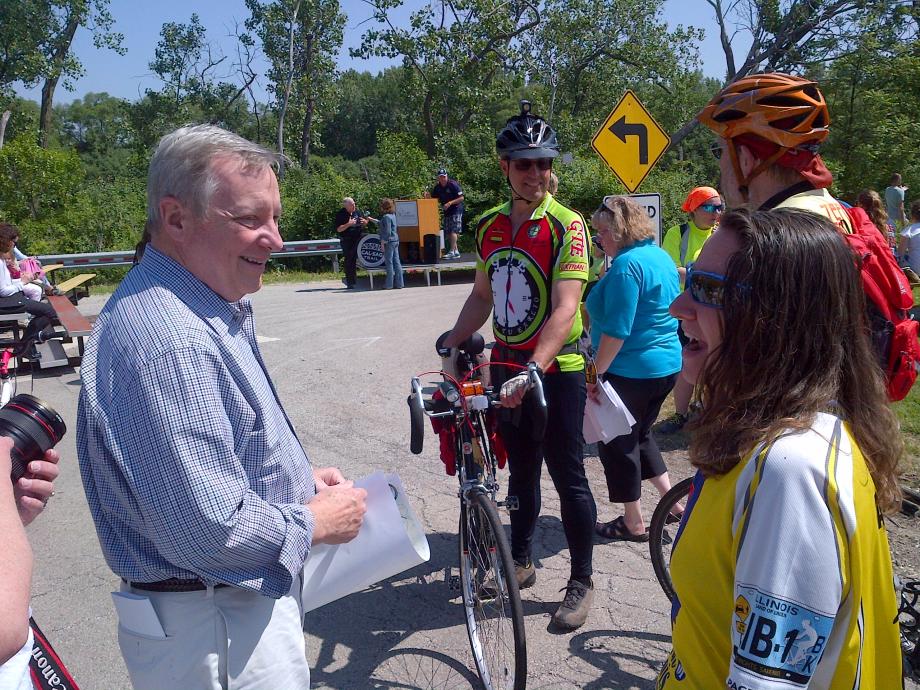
527,136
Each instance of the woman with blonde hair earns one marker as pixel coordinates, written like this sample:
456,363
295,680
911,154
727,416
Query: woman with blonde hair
870,202
781,567
637,352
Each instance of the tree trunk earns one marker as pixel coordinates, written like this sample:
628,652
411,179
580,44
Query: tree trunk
430,146
60,52
287,90
3,120
683,132
306,133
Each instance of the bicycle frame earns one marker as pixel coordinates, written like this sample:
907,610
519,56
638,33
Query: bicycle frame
492,603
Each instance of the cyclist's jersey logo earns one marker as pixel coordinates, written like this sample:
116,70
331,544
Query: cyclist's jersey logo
820,202
755,612
521,267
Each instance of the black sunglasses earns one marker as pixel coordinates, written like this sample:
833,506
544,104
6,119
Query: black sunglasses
708,289
524,164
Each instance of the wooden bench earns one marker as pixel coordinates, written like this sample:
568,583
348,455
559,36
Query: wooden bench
76,287
78,328
427,269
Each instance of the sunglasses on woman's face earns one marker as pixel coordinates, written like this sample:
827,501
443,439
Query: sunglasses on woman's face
524,164
707,288
711,208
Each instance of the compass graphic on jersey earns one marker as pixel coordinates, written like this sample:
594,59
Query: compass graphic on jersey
519,296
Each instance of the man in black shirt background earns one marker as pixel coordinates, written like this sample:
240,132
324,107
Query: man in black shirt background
349,223
448,192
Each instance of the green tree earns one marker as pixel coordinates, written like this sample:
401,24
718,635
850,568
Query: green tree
301,39
792,35
458,51
23,31
98,127
63,18
35,183
629,45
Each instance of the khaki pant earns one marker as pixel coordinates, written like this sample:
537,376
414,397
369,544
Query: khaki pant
219,639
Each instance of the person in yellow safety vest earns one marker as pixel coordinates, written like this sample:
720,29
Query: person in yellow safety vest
683,244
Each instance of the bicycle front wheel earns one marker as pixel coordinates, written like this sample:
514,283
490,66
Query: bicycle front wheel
491,600
661,539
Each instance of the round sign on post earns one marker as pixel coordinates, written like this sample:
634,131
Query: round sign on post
370,252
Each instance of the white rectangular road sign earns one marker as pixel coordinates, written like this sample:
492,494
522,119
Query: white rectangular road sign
652,204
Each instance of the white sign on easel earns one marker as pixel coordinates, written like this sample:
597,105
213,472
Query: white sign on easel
652,205
406,214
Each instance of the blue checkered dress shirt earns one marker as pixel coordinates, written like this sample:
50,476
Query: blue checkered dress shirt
191,467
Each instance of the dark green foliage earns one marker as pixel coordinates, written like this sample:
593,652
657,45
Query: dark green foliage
384,135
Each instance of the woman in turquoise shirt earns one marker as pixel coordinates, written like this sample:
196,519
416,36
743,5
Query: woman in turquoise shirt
636,345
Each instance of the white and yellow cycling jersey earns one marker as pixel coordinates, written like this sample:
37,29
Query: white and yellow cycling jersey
783,574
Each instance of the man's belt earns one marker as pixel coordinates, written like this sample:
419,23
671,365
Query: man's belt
171,585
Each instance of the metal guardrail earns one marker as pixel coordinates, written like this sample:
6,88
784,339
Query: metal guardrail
330,248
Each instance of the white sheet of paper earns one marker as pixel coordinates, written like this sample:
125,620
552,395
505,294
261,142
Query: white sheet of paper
390,541
135,613
606,419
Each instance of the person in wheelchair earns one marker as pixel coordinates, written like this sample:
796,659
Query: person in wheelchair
531,269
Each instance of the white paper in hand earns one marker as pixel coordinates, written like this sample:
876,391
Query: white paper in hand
607,418
391,540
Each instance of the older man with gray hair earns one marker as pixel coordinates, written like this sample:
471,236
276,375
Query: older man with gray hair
205,503
348,225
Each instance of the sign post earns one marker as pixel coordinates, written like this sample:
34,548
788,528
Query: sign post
630,141
652,205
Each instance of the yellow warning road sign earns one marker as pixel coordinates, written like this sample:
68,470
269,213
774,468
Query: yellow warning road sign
630,141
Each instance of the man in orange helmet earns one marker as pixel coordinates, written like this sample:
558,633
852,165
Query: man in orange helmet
770,127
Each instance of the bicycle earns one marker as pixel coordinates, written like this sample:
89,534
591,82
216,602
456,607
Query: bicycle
12,351
494,616
660,540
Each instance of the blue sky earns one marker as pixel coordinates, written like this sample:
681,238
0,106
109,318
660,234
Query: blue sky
140,22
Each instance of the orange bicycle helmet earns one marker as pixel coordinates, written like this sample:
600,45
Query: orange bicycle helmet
790,111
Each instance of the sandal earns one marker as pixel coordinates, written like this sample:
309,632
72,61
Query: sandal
616,530
673,519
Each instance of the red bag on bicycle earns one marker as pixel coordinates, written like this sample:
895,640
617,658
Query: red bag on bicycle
446,438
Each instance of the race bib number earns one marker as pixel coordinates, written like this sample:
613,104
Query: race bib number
777,638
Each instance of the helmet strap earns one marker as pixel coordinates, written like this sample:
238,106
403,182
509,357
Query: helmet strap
744,181
515,196
736,166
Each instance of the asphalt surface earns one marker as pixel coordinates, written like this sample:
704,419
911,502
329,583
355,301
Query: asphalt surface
342,361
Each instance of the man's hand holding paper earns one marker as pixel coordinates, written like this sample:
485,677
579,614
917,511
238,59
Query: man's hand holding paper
339,511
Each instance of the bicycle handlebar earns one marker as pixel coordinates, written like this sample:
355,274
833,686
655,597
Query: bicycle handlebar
536,382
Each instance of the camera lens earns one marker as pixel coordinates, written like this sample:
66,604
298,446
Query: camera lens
33,426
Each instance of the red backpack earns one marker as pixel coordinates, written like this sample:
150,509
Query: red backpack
889,297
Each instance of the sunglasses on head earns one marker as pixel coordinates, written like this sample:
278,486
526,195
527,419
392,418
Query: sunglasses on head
524,164
711,208
605,203
707,288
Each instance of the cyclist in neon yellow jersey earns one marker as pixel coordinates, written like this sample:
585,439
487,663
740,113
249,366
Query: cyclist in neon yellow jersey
531,269
781,567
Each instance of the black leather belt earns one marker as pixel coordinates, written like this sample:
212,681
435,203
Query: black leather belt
172,585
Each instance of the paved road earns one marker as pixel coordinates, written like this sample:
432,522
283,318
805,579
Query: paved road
342,361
